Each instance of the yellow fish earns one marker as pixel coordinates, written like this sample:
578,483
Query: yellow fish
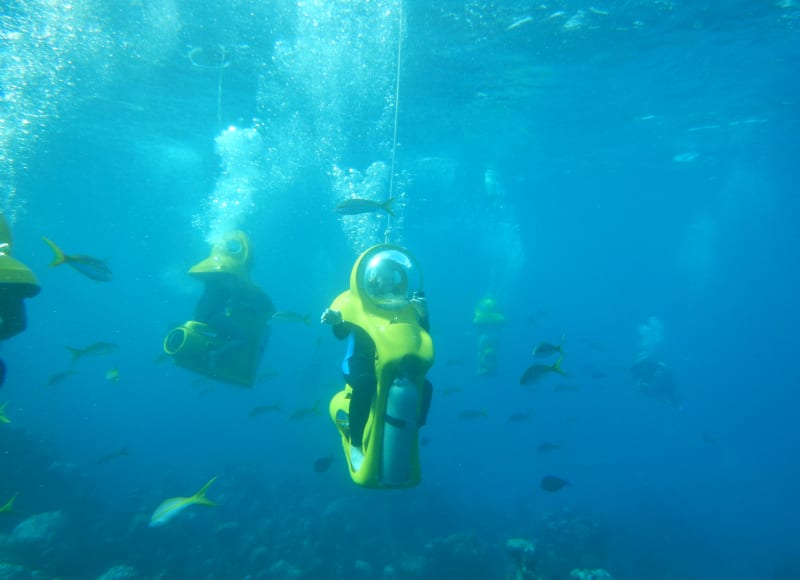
289,316
87,265
94,349
473,414
3,418
261,409
112,375
305,412
121,452
545,349
355,206
58,377
171,507
9,507
535,372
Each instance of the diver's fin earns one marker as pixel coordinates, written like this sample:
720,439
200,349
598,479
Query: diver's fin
356,457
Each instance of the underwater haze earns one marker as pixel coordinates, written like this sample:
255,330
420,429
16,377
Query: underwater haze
619,177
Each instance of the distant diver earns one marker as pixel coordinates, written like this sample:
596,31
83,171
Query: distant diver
203,58
229,332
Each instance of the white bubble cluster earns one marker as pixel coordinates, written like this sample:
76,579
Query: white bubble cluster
651,334
327,101
43,45
503,240
242,175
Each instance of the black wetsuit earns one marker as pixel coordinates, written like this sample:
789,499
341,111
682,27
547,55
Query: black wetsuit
655,379
224,304
13,317
358,368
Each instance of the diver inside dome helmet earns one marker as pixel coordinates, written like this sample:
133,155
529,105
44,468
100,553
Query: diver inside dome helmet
387,283
229,332
230,298
383,286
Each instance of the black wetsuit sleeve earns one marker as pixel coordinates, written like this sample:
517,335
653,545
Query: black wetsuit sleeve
270,306
211,303
341,330
265,303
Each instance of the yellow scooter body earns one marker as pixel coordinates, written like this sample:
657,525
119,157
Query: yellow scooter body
189,346
404,350
12,271
17,282
191,343
488,319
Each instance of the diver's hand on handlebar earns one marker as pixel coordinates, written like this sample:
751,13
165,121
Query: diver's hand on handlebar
420,304
330,317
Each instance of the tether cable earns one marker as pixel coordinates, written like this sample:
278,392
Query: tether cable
396,117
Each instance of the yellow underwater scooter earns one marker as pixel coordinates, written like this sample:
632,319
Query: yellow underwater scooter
202,345
404,354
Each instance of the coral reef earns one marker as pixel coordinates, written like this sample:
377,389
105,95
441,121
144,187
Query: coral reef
269,530
39,529
17,572
523,555
598,574
566,541
460,555
119,572
283,570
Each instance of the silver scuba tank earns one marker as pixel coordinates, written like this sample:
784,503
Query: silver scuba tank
399,431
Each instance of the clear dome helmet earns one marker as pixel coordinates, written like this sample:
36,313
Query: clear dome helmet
388,277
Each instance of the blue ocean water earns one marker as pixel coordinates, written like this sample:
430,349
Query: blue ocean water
624,173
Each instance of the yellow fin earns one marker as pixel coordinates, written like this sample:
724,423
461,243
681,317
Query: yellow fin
76,352
58,256
200,496
9,507
3,418
557,367
387,206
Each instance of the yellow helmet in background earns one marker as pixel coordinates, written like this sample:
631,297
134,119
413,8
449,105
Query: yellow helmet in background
12,271
487,312
231,255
